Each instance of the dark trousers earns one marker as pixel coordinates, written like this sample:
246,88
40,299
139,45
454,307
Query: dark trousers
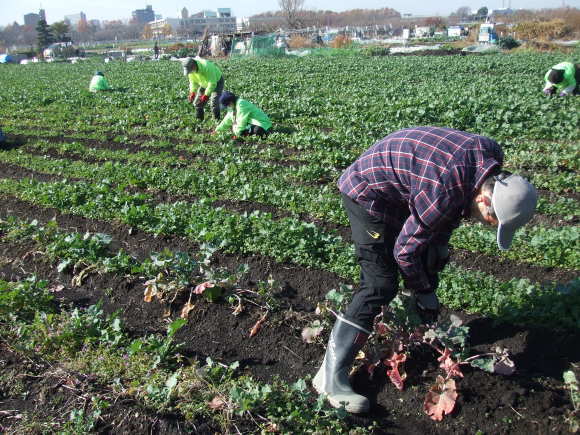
255,130
379,274
213,101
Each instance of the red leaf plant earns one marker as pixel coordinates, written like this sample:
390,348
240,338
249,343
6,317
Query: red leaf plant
397,376
441,398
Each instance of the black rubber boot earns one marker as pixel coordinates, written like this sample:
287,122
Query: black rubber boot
199,112
346,339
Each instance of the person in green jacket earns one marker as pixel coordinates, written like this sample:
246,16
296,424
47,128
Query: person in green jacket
99,83
243,117
563,78
205,81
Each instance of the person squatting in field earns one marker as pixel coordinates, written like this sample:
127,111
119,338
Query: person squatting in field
205,83
563,79
99,83
403,197
243,117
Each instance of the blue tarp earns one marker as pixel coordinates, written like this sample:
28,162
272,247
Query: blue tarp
5,58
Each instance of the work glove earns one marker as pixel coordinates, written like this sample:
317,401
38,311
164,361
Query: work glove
428,306
203,99
563,94
548,91
191,97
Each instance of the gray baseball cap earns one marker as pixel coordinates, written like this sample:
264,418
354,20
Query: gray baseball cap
187,64
514,202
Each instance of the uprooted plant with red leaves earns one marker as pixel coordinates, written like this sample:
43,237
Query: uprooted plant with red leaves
398,331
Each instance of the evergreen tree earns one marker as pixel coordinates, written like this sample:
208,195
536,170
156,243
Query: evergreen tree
44,34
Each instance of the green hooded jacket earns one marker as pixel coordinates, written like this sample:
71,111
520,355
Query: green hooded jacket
206,76
240,118
569,77
98,83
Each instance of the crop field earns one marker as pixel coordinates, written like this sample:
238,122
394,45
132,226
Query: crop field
155,278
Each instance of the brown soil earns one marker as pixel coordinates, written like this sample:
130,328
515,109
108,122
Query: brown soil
532,401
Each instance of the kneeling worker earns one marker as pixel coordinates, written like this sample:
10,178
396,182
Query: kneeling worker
243,117
404,196
99,83
563,78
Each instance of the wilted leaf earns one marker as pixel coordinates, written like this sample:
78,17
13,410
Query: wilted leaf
451,367
440,399
186,309
217,403
56,288
150,290
258,325
200,288
396,374
310,333
381,328
239,308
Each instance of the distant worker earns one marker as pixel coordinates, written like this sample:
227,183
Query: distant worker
243,117
404,196
2,137
156,50
205,81
563,79
99,83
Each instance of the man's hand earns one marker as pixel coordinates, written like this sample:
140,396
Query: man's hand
234,137
563,94
203,100
191,97
427,306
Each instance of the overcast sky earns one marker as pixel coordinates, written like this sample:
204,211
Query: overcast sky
13,10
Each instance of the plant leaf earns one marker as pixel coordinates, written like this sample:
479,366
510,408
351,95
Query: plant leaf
440,399
186,309
396,374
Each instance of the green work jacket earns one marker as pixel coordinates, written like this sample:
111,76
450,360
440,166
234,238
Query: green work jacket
98,83
569,82
244,114
206,76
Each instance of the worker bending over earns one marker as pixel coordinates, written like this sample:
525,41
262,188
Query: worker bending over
99,83
404,196
563,79
205,83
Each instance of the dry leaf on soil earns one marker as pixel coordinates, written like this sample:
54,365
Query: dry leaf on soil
440,399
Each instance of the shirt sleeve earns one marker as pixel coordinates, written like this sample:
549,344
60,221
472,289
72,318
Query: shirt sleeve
226,122
434,215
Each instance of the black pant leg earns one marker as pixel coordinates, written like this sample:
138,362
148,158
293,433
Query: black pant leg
379,275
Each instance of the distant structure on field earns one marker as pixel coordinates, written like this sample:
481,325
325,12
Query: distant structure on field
31,19
218,21
74,19
143,16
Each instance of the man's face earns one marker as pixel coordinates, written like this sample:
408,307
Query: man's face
479,210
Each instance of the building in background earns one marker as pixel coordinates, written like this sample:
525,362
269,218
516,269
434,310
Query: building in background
74,19
144,16
184,14
218,21
31,19
165,27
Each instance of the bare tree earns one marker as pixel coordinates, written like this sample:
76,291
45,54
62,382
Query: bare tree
291,10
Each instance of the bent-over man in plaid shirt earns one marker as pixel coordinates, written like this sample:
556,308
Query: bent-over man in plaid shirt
404,196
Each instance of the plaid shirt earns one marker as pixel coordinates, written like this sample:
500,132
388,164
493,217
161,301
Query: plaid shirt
420,182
